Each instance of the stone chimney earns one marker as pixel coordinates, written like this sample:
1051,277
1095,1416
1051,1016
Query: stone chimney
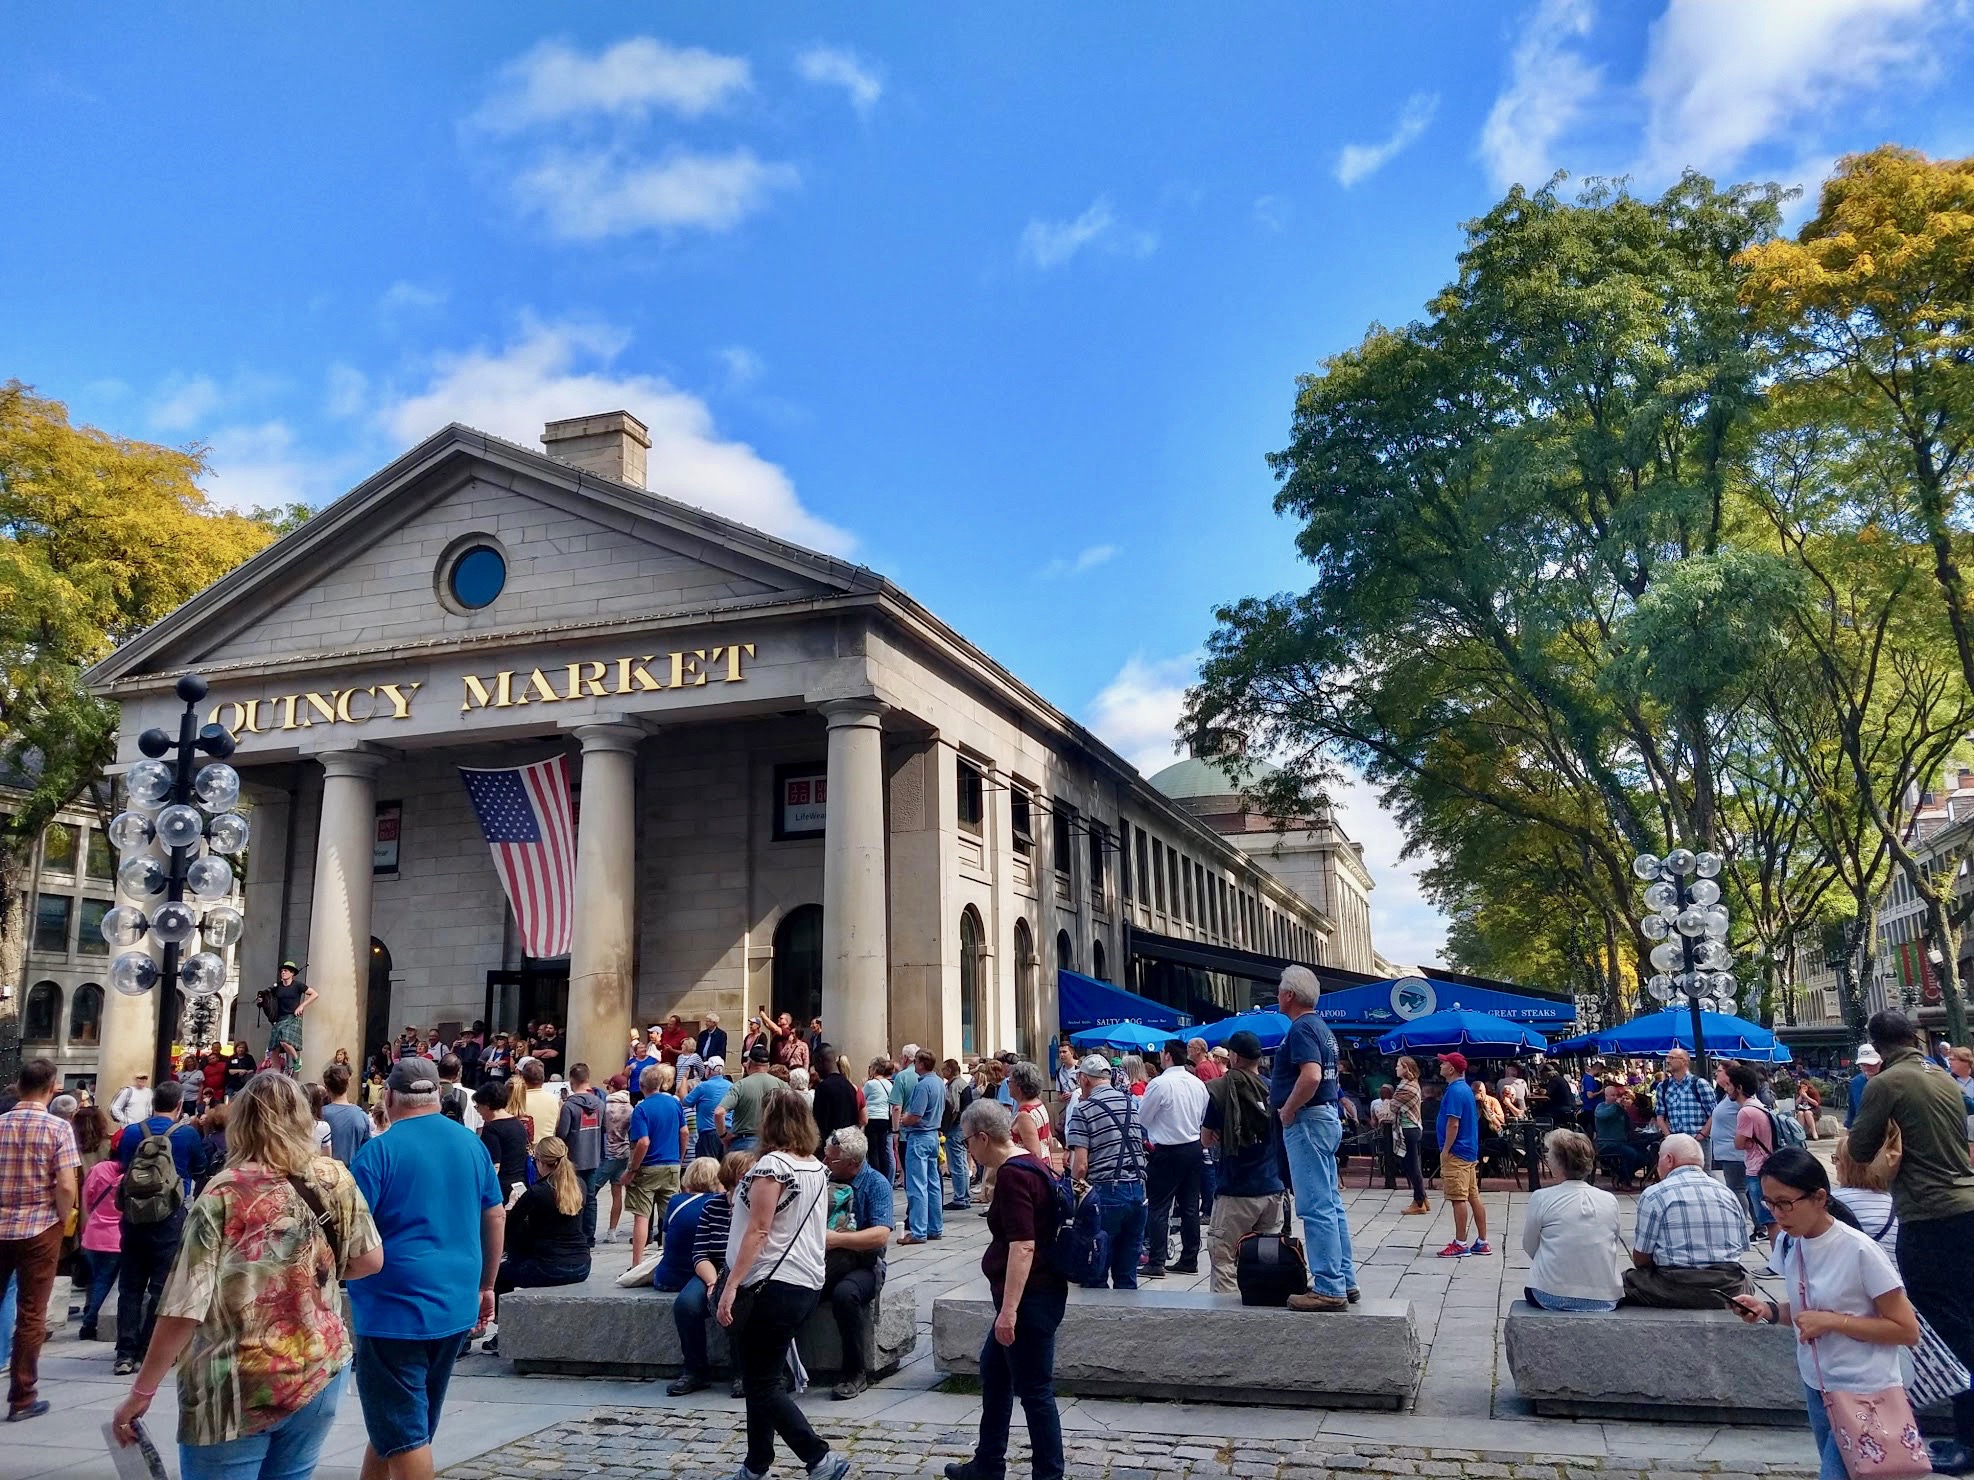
610,444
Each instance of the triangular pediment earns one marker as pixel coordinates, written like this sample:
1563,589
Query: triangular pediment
369,572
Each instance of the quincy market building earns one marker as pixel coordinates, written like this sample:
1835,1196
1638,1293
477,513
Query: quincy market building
796,787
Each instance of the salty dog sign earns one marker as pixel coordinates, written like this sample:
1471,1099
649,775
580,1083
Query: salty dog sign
512,688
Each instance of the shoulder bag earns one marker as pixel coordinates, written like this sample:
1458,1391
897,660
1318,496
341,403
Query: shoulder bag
1875,1432
743,1295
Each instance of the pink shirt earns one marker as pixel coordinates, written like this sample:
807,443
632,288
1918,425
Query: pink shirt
102,1224
1752,1122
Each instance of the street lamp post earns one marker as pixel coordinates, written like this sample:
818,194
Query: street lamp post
1688,924
170,854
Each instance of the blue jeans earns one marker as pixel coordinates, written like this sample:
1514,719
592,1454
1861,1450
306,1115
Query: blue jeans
9,1307
925,1215
1830,1459
1312,1143
689,1311
102,1264
1123,1205
1026,1369
1759,1209
956,1166
287,1451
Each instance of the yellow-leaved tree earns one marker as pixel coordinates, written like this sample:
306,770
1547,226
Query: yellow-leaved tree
100,536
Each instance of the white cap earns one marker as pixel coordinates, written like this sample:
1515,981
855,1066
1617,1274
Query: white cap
1866,1054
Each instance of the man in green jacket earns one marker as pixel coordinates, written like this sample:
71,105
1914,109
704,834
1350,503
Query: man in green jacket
1933,1195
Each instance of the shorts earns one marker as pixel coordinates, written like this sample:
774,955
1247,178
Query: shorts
401,1383
642,1192
1458,1178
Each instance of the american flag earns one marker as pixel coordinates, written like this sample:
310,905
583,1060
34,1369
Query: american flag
528,819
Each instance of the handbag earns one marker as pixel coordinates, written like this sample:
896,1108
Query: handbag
1937,1375
1876,1433
743,1298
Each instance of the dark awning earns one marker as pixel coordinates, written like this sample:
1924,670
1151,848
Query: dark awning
1085,1002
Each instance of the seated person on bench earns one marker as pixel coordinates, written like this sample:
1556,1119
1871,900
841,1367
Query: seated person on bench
859,1230
1614,1148
1688,1240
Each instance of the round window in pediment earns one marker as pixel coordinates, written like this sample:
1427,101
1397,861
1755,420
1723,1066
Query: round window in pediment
476,577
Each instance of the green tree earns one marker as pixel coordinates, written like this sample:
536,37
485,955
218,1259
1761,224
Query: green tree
100,537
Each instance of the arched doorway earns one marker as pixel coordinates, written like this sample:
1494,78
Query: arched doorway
1097,961
1065,951
798,964
973,996
1027,1003
377,1029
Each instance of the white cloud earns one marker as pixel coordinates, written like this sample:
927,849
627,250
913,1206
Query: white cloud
1271,211
1137,713
1047,244
555,82
404,296
183,402
743,366
1083,560
1360,161
347,391
559,370
838,66
585,195
1721,79
257,465
1549,86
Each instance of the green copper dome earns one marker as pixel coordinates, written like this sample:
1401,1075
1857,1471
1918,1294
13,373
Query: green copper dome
1200,778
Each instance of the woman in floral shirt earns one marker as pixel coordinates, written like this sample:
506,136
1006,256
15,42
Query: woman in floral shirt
251,1314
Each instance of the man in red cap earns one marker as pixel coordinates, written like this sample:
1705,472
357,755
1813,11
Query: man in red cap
1459,1157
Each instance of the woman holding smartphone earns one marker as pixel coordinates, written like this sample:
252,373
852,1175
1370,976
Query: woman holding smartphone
1856,1317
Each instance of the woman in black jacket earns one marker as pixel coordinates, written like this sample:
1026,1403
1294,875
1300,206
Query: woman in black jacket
545,1243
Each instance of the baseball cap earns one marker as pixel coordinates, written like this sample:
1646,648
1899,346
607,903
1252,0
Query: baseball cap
716,1062
1095,1065
1244,1045
413,1077
1457,1060
1866,1054
758,1054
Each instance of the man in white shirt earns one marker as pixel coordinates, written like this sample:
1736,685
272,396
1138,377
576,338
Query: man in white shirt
133,1101
1170,1115
1514,1093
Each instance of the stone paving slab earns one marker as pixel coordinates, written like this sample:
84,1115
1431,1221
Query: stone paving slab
650,1445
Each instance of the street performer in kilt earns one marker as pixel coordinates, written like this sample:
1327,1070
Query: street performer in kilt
283,1005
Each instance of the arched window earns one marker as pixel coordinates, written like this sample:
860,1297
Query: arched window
1027,1003
43,1014
798,964
1097,961
1065,951
86,1016
973,984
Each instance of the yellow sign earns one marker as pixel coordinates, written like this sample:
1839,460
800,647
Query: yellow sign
304,711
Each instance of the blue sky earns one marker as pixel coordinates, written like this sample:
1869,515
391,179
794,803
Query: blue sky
1005,301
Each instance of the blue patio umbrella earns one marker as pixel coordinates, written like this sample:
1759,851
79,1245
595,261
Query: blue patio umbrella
1134,1036
1481,1032
1270,1026
1657,1033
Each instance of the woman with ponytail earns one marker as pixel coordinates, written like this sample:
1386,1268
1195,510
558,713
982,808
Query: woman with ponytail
545,1242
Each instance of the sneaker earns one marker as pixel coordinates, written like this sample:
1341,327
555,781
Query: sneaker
1416,1209
855,1383
738,1390
32,1410
87,1333
1148,1273
1949,1456
1454,1250
1185,1268
741,1472
1318,1302
1353,1294
1479,1246
124,1367
686,1382
831,1466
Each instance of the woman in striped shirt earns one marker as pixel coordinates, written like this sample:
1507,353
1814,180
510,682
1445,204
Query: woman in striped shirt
709,1257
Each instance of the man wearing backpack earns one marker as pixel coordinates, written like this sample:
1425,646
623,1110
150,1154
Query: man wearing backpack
580,1125
1107,1154
1240,1123
160,1157
1756,1137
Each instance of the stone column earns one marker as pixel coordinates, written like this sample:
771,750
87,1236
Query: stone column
259,952
338,961
855,1005
603,951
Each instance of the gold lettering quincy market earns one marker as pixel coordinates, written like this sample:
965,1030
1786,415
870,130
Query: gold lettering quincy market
304,711
642,675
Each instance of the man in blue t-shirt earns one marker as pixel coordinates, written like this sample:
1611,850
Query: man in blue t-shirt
706,1097
657,1133
1302,1090
431,1189
855,1254
923,1110
1459,1157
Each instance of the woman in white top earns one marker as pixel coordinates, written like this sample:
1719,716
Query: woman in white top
877,1116
1570,1231
1867,1191
775,1254
1856,1317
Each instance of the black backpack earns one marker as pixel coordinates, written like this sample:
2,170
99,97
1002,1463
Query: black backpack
151,1190
452,1102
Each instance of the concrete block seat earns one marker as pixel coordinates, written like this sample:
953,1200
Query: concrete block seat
597,1329
1694,1366
1192,1345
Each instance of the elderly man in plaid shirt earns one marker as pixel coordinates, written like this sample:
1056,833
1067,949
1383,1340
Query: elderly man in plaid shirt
38,1165
1688,1240
1685,1100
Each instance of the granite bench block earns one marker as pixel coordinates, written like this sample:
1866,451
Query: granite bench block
596,1329
1696,1366
1188,1345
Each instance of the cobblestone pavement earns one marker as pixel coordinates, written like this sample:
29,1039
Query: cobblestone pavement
654,1443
